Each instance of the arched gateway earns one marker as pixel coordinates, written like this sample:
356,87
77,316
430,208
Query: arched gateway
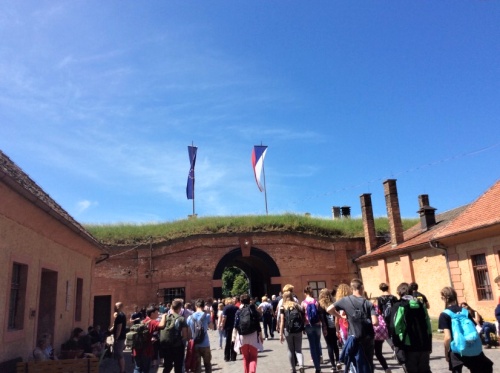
192,267
259,267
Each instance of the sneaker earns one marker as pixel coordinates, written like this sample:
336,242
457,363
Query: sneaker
339,366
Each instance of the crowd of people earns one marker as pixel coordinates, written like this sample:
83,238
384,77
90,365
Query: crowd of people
175,336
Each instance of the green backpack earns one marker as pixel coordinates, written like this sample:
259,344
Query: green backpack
138,336
171,336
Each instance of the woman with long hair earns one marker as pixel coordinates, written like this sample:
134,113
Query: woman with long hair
381,334
341,324
290,309
476,364
325,298
313,327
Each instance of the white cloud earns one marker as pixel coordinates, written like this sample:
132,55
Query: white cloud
84,205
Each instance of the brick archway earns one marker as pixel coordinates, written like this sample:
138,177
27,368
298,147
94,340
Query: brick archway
259,266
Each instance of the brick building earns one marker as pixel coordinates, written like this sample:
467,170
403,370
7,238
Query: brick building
192,267
47,261
459,247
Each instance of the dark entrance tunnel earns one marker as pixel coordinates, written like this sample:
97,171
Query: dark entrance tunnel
259,267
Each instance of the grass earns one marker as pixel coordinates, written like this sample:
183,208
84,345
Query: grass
126,234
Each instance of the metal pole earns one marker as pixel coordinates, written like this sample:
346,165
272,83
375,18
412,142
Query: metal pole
265,188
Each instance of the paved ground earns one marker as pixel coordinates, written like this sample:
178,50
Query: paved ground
274,359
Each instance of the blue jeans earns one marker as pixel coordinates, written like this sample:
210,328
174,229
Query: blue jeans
313,333
487,329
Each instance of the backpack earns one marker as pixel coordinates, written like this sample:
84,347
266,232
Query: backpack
385,306
199,330
466,340
360,321
138,336
312,312
268,311
171,336
247,321
412,326
294,321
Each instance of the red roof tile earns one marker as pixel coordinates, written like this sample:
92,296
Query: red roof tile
415,237
483,212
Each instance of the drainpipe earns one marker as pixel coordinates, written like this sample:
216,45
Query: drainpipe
438,246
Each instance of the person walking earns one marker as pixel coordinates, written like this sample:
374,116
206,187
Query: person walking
198,325
247,334
325,299
478,362
144,355
227,324
359,347
266,309
291,329
312,327
381,334
173,338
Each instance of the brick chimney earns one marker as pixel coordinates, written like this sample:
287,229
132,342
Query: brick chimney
368,222
426,212
336,212
393,213
346,212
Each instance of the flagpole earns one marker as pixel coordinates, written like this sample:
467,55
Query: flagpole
194,194
265,188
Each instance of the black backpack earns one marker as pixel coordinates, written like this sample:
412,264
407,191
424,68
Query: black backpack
360,322
199,329
294,320
171,336
385,303
411,317
247,320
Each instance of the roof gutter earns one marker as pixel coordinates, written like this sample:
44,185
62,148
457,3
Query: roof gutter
439,246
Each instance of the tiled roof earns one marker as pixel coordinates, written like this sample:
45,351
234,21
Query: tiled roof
13,176
415,237
483,212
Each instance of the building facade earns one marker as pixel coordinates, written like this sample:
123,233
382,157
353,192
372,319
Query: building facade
192,267
48,261
459,248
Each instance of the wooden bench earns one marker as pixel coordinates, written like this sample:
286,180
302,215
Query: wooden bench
90,365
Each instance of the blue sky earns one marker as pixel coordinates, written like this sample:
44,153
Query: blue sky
100,99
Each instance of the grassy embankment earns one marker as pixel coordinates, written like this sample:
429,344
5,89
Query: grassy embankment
128,234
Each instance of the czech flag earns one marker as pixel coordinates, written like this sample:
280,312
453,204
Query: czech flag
258,154
190,182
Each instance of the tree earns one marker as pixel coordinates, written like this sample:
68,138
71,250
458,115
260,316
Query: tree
229,277
240,285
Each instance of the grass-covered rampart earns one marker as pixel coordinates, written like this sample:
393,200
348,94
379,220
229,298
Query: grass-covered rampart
126,234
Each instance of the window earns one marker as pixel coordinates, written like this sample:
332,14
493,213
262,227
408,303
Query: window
316,286
480,269
17,296
78,301
169,294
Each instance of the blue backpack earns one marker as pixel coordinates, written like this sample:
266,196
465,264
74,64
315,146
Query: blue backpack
466,340
312,312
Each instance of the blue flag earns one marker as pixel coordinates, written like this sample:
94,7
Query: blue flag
190,182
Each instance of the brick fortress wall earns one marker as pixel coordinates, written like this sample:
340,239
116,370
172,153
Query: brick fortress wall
134,275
